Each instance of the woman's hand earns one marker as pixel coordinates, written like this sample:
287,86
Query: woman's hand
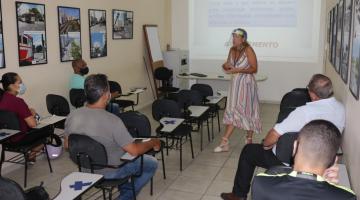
232,70
33,112
226,66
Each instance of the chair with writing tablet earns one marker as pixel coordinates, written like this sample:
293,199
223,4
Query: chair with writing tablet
77,97
38,137
90,154
206,91
168,108
123,103
59,106
164,75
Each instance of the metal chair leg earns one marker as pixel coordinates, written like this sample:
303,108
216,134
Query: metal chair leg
181,154
167,145
25,170
133,187
48,159
218,118
2,158
163,162
151,187
191,146
208,129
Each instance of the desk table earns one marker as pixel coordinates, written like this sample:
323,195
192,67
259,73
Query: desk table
75,184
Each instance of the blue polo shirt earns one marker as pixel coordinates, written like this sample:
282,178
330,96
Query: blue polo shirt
77,81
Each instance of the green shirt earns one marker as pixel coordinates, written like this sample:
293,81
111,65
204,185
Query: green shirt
77,81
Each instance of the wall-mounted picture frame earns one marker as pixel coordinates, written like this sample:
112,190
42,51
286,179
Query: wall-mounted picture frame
122,24
355,53
98,34
345,40
331,25
69,21
31,31
2,49
334,33
339,27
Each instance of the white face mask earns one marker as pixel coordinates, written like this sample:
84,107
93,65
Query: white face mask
22,89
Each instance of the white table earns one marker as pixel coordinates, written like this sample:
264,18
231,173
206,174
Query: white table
75,184
137,91
49,121
343,176
218,81
224,77
215,99
197,111
170,124
7,133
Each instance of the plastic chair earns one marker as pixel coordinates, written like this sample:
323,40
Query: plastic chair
292,100
115,87
206,91
90,154
164,75
169,108
33,138
77,97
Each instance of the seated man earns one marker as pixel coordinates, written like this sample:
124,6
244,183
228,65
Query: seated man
80,70
323,106
108,129
315,150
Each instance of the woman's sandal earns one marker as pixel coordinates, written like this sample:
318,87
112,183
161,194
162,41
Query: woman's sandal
223,147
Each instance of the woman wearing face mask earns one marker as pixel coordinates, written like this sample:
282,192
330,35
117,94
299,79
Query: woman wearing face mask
12,86
242,109
80,70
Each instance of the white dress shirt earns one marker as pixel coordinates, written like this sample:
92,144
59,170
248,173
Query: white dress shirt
325,109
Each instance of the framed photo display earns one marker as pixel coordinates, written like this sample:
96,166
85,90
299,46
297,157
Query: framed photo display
355,55
97,30
31,31
328,27
2,51
331,25
69,33
345,40
333,37
123,24
339,27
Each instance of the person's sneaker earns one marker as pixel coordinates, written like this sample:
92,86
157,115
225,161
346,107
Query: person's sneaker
231,196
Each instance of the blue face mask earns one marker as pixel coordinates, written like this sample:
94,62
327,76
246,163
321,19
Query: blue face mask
22,89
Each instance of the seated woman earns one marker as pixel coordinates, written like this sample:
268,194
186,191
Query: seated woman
13,86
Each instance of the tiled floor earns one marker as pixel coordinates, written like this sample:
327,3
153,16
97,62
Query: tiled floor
204,177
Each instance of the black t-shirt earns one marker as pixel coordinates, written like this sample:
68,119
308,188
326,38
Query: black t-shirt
292,187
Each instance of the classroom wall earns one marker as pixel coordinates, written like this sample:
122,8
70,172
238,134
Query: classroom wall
271,90
351,137
124,62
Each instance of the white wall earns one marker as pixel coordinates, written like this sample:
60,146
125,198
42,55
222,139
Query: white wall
351,137
282,76
124,62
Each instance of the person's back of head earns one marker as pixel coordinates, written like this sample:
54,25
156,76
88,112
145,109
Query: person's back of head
321,86
7,79
96,87
317,145
80,66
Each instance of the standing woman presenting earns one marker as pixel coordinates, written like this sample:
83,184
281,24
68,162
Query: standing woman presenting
242,109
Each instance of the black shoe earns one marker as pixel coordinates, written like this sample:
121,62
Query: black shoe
231,196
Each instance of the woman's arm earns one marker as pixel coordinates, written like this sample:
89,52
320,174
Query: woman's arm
252,60
30,121
226,66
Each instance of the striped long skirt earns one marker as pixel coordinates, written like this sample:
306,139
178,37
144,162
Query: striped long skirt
242,109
